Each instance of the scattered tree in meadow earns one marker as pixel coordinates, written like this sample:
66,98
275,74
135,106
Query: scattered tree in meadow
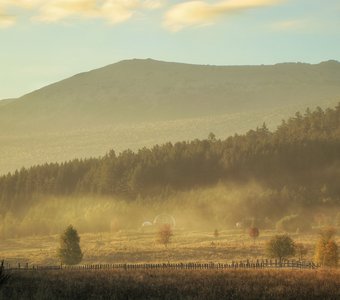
212,137
300,250
216,233
280,246
254,233
3,277
326,252
165,234
69,251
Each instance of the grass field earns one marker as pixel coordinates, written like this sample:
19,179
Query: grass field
136,246
139,247
170,284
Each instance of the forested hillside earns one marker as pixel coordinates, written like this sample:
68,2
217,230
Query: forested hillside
149,90
300,160
142,102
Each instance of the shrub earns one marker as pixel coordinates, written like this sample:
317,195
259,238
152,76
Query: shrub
326,251
164,234
293,223
216,233
280,246
69,251
254,233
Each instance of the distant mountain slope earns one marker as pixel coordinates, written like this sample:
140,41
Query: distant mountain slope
91,112
302,156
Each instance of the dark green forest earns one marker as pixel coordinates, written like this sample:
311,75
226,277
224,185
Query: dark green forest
300,160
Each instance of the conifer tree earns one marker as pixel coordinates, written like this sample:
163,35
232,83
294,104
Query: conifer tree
69,251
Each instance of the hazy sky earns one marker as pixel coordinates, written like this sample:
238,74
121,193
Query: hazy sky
43,41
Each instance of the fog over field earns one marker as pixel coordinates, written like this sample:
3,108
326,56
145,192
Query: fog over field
157,149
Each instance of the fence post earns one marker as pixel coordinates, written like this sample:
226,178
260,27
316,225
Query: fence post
246,264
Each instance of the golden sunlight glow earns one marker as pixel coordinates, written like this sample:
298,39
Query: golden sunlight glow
201,13
113,11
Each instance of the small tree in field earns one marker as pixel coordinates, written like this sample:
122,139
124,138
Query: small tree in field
164,234
280,246
254,233
69,251
326,252
216,233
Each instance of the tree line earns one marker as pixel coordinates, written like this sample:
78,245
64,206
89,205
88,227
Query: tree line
301,157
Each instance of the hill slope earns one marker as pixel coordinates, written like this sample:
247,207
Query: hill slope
138,103
260,174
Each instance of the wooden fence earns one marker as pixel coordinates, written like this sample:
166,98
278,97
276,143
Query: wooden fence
258,264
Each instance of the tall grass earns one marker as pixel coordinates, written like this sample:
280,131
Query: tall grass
170,284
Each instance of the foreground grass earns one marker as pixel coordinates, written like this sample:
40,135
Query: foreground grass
173,284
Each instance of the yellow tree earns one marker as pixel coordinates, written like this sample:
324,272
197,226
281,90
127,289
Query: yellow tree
326,251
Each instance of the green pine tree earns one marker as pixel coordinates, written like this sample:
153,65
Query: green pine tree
69,251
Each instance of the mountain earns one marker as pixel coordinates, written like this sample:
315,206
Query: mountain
137,103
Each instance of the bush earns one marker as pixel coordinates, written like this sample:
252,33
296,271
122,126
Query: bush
69,251
254,233
280,246
293,223
326,251
165,234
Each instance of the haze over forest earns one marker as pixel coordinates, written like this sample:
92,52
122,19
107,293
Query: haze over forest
260,175
137,103
169,149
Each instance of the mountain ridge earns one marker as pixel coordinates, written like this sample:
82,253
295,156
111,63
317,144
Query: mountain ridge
90,112
327,62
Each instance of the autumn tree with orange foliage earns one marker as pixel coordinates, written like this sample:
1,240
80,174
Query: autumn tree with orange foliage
326,252
165,234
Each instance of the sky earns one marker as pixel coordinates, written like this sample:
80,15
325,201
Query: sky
44,41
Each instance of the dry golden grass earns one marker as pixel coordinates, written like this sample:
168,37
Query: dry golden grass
173,284
138,247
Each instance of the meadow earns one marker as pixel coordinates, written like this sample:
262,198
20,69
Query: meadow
138,246
118,237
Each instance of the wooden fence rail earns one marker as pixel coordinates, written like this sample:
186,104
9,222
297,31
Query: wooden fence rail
258,264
